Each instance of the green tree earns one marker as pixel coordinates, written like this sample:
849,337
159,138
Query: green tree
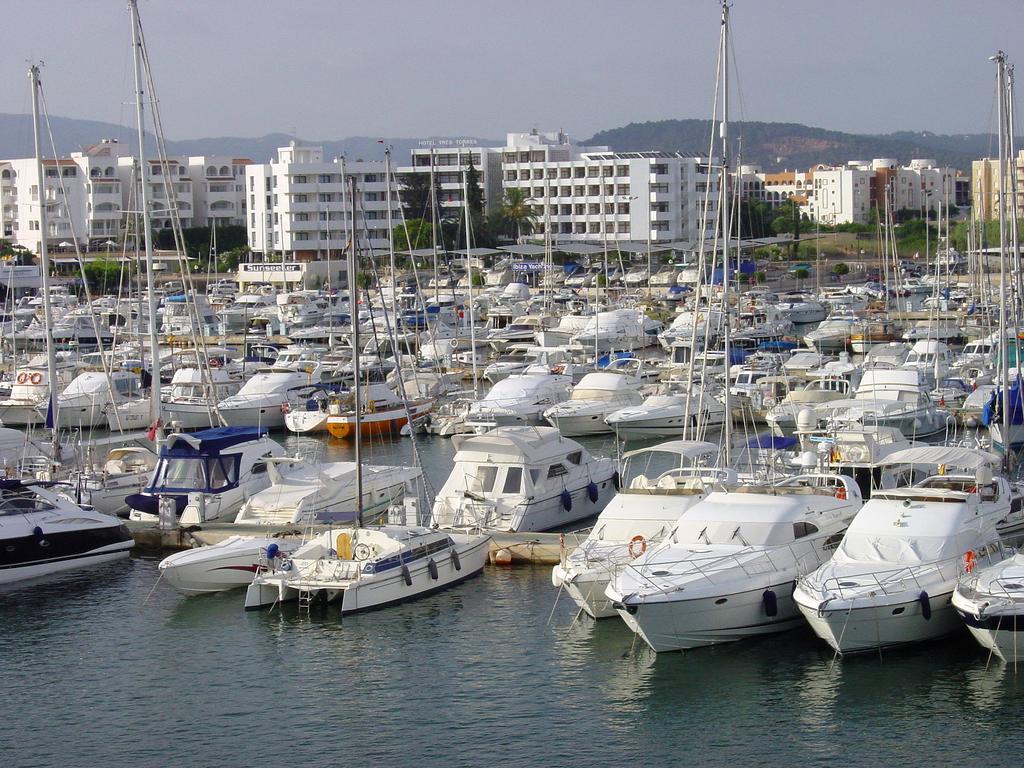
103,275
801,274
413,234
228,260
415,195
841,268
474,194
518,213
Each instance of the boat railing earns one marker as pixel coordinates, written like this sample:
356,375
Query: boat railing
895,580
715,564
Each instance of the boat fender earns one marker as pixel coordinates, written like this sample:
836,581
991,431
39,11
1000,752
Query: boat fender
926,606
456,561
770,602
272,551
616,480
285,564
406,575
592,491
40,538
432,569
567,500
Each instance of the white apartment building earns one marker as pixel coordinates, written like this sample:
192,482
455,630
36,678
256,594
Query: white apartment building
449,163
299,206
616,196
846,193
90,194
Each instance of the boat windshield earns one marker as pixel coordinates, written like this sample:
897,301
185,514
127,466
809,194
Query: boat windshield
200,473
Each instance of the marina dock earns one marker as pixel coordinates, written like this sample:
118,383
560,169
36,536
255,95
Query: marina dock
505,548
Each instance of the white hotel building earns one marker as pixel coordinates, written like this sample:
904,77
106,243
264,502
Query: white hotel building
299,206
449,162
597,195
90,194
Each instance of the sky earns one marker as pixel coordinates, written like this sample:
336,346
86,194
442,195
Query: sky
327,69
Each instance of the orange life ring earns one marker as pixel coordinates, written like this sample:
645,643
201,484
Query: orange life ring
36,378
637,546
22,377
215,362
841,493
970,560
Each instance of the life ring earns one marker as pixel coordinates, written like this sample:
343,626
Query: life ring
215,362
841,493
970,560
22,377
36,378
454,343
361,552
637,546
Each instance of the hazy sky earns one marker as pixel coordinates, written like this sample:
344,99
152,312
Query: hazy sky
327,69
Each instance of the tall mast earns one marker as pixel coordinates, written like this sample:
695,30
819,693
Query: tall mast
1000,60
434,224
154,340
726,224
469,261
44,256
353,300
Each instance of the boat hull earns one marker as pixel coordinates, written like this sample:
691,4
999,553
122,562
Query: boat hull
712,620
882,625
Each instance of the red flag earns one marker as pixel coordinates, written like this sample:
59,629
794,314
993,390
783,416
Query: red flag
153,430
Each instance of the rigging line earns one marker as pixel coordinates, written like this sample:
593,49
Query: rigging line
81,266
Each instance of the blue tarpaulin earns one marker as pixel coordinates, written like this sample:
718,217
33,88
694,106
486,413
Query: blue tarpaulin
773,442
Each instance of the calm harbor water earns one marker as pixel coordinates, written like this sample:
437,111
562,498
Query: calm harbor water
103,668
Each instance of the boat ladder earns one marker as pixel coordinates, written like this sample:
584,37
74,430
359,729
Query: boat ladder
306,596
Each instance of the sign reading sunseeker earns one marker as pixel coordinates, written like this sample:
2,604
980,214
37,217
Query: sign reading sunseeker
290,266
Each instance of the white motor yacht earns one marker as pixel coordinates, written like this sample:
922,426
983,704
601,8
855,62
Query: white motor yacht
671,413
892,398
659,484
265,398
596,396
518,400
29,388
726,571
85,401
990,601
522,479
42,532
833,335
194,395
302,492
891,580
208,474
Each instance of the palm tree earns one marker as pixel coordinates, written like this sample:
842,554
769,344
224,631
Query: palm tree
518,213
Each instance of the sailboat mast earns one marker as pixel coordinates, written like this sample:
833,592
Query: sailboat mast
726,226
469,261
44,256
147,230
1004,366
353,300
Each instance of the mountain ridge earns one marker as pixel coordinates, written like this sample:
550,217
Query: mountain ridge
773,146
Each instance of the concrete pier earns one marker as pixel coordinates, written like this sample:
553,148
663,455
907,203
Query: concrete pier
505,548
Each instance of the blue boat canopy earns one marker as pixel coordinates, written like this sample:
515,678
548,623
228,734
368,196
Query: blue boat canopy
210,442
777,346
772,442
